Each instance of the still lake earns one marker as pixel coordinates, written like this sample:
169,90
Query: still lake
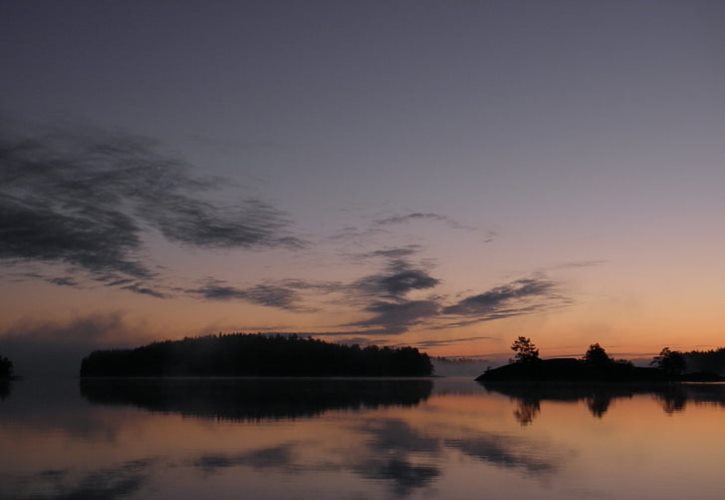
344,438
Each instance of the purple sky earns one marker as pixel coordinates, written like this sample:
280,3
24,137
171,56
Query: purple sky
443,174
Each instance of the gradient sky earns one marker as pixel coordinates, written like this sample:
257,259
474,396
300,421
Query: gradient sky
448,175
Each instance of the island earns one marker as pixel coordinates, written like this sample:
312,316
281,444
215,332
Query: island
256,355
595,366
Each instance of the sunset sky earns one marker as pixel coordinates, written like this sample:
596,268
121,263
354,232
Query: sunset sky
442,174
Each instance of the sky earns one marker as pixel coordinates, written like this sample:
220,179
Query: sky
446,175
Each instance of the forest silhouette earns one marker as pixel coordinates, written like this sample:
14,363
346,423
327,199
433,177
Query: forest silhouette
256,355
597,366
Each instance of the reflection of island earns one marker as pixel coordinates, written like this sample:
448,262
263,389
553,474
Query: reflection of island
4,388
599,396
257,355
255,399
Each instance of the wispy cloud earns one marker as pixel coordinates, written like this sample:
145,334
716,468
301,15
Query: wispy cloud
84,199
283,294
399,278
511,299
385,298
264,295
398,317
422,216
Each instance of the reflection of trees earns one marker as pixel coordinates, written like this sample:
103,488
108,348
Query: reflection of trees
673,399
255,399
527,411
4,389
598,404
598,397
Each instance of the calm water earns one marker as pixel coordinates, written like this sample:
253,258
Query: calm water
445,438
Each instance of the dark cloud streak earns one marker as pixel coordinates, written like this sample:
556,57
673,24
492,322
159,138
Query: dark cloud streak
85,198
418,216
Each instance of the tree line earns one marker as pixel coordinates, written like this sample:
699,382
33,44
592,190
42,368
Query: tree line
671,362
255,355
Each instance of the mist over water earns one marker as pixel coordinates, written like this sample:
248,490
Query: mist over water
370,438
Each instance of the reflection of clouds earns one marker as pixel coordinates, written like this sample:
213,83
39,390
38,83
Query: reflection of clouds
404,475
4,389
273,457
507,452
407,446
383,445
396,435
394,453
107,483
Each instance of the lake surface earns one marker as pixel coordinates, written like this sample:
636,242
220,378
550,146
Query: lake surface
342,438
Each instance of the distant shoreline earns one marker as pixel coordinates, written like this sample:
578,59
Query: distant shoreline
579,371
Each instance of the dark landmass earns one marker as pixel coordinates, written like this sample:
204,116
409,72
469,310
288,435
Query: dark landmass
578,370
712,361
598,396
256,355
254,399
6,368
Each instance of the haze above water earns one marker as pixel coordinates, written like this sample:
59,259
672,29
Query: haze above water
342,438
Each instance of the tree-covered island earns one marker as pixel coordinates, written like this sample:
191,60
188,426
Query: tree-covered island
256,355
595,365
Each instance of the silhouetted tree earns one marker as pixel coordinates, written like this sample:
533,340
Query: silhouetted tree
6,367
525,350
671,362
597,356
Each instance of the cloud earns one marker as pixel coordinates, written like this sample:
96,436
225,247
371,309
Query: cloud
385,298
86,198
505,451
449,341
399,278
418,216
282,294
63,281
398,317
144,290
265,295
279,456
522,296
384,295
121,481
405,475
390,253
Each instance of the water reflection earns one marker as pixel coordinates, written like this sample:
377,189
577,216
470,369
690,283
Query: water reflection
255,399
4,389
599,397
342,438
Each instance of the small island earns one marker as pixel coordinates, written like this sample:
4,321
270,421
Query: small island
596,365
256,355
